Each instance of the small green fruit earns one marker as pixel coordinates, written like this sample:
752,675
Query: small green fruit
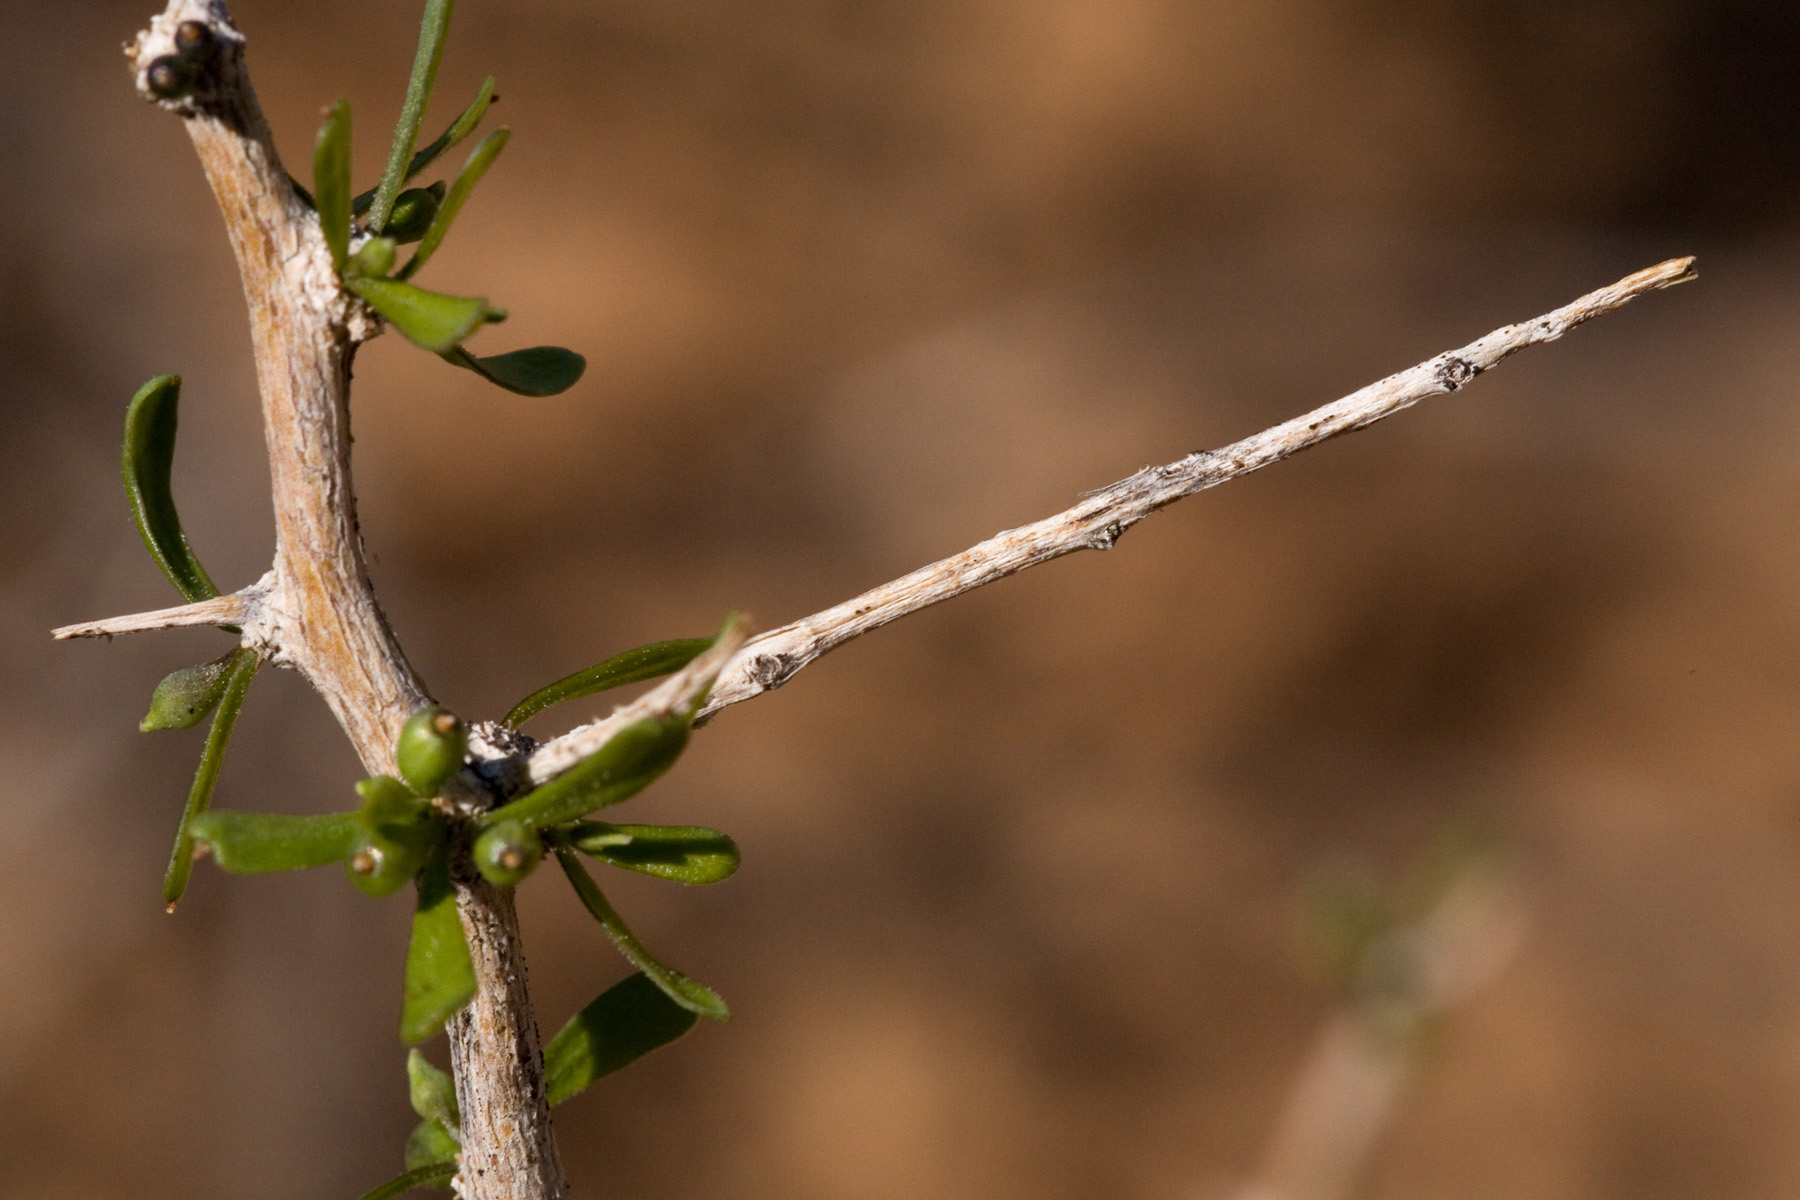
414,211
170,77
506,853
374,259
381,866
194,40
431,748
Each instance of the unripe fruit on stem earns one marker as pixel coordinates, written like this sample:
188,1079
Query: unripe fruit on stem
506,853
170,77
381,866
194,40
431,748
414,211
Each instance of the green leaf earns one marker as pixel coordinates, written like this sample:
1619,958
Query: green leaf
629,762
429,319
331,182
440,977
536,371
431,1091
459,129
632,666
430,1144
184,697
437,1176
150,423
244,663
256,843
688,993
683,853
480,159
418,92
624,1023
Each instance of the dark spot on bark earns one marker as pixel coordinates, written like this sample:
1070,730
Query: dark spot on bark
770,671
1453,372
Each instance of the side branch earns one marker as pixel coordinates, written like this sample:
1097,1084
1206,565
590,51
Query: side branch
236,609
1096,523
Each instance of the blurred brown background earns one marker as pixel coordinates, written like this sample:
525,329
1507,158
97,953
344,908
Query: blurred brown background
859,284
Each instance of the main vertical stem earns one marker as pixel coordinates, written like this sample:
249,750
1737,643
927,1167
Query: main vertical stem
509,1151
329,626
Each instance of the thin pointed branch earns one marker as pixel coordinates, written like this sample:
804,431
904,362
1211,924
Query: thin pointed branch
1097,522
238,608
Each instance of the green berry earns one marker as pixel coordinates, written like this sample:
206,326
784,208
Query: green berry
431,748
506,853
381,866
414,211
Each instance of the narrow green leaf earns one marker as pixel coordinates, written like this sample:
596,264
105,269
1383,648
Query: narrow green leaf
184,697
429,319
624,1023
430,1144
244,663
440,977
632,666
683,853
536,371
418,92
150,423
480,159
256,843
331,182
437,1176
690,994
628,763
431,1091
459,129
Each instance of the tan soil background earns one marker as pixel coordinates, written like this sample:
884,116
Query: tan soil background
859,284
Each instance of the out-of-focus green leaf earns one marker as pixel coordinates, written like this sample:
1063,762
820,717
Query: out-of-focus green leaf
430,1144
683,853
431,1091
331,182
480,159
437,1176
373,259
244,663
150,423
631,666
624,1023
628,763
440,977
688,993
184,697
535,371
459,129
412,113
255,843
429,319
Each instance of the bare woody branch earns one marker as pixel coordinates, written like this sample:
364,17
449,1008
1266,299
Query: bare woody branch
771,659
236,609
